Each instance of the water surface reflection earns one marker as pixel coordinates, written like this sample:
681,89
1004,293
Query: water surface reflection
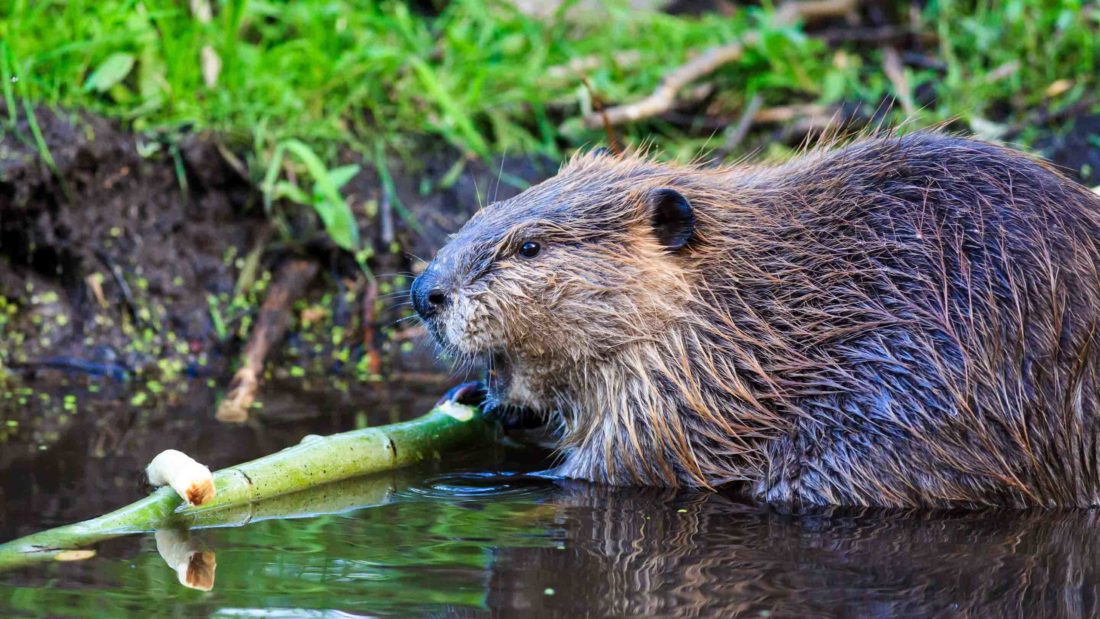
433,541
452,544
657,553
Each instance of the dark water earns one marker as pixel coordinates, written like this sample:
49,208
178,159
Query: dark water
487,540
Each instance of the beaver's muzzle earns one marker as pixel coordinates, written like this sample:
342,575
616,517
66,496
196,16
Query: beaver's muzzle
428,295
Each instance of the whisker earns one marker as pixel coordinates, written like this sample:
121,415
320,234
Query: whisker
399,310
500,173
392,295
403,319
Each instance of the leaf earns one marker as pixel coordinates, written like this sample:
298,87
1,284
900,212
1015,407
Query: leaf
110,72
290,191
342,176
331,208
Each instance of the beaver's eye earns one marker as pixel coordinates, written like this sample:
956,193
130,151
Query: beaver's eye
529,249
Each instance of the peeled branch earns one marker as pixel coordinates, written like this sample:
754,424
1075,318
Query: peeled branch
450,426
191,480
663,98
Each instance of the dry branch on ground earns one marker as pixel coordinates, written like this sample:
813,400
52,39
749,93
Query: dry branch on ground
291,282
664,97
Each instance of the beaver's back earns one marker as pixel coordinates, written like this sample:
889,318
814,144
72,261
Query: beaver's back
941,299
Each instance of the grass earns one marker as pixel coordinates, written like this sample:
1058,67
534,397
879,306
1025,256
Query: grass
337,72
351,73
1015,56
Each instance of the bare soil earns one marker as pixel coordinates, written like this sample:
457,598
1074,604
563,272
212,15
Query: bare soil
109,262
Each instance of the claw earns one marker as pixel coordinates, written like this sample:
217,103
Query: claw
472,393
475,393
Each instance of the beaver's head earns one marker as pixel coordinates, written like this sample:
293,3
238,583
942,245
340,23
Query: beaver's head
547,284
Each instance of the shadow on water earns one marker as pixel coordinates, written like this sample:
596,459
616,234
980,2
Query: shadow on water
484,536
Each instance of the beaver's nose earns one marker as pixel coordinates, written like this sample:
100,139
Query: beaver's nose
428,296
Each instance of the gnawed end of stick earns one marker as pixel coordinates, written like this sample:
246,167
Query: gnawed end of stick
191,480
457,411
234,408
200,492
200,571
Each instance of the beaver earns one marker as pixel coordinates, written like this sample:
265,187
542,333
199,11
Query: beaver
897,321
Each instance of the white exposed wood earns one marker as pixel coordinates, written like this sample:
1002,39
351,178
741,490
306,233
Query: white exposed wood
191,480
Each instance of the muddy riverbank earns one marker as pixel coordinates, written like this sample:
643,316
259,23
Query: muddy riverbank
133,265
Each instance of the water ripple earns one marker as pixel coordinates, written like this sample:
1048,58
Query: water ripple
481,485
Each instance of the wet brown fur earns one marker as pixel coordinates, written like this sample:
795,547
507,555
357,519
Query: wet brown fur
902,321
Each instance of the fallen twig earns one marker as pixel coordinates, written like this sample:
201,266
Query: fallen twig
764,116
786,113
895,72
814,10
664,97
584,64
605,121
1047,115
748,117
290,282
808,125
1003,71
883,35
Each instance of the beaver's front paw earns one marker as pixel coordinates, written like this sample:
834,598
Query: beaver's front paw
472,393
509,417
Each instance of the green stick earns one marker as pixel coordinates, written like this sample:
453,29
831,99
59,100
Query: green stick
315,461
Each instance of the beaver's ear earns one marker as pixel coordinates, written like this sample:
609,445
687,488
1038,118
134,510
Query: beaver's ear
672,218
